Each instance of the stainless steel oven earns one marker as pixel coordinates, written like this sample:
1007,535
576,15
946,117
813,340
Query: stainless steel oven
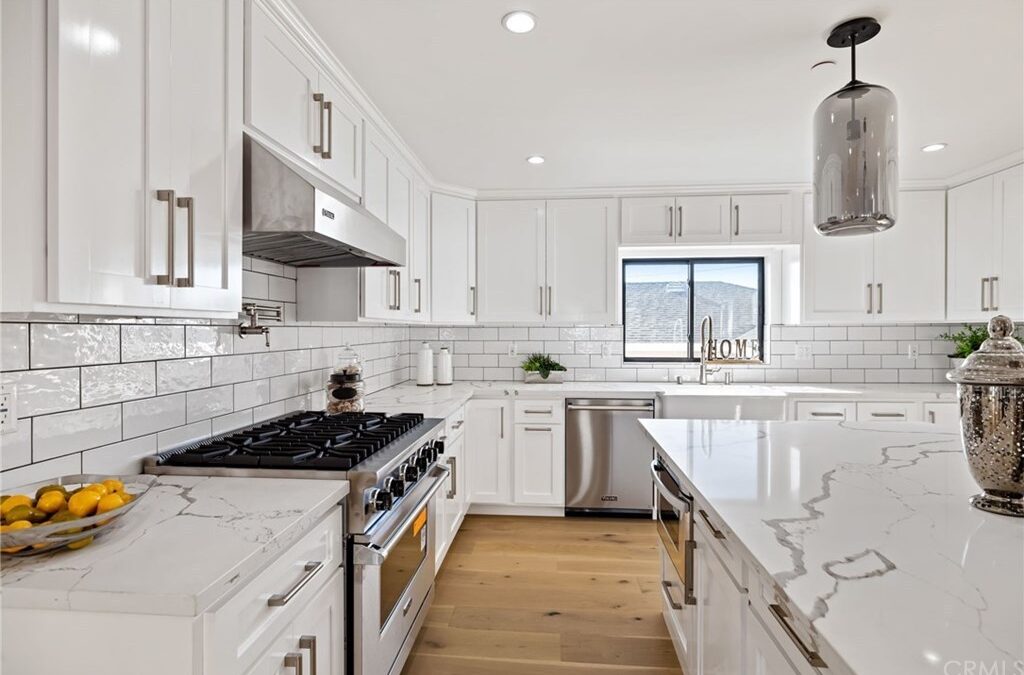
393,580
674,511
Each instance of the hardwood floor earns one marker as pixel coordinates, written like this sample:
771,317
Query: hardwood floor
547,596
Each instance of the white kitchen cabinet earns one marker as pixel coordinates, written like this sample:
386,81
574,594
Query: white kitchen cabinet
489,451
341,156
708,219
453,288
318,633
896,411
375,172
582,238
721,612
400,180
144,182
985,247
510,261
539,477
680,618
946,415
452,502
419,254
868,279
824,411
762,655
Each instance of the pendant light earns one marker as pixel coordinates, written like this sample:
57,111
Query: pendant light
855,148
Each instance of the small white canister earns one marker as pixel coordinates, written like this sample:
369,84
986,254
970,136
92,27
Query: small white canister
425,366
444,366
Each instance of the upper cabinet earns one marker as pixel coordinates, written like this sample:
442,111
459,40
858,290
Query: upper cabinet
453,259
547,261
708,219
869,279
985,247
144,185
296,105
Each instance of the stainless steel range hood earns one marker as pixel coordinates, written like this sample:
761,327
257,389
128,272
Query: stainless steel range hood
293,217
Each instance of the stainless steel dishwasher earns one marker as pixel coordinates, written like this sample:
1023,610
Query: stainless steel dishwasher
607,456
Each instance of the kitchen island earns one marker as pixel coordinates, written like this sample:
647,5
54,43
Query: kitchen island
852,544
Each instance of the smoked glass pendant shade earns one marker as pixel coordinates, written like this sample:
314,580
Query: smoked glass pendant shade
856,161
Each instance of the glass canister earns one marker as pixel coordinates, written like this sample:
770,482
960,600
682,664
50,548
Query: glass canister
345,386
990,386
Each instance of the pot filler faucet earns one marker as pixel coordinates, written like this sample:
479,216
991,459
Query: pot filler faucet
705,349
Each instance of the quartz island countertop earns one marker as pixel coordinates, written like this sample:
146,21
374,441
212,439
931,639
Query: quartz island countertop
188,544
867,530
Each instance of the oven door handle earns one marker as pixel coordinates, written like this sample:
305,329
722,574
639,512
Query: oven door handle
675,500
373,553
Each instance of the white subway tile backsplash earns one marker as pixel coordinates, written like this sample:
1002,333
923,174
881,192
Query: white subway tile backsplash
208,340
192,433
152,343
231,369
898,332
16,446
124,458
864,333
255,285
297,361
267,365
267,267
881,376
13,346
65,433
226,423
69,344
864,361
514,333
118,382
281,289
44,391
150,415
312,336
206,403
251,394
175,376
284,386
830,332
40,471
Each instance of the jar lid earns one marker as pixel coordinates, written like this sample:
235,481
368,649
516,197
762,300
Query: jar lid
999,360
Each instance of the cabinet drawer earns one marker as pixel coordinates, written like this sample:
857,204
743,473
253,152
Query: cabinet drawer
241,628
789,633
824,411
455,424
723,542
889,412
551,411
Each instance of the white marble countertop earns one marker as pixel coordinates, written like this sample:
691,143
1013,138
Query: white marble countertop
442,401
867,529
189,543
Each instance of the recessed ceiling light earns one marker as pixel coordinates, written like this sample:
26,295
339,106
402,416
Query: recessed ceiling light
934,147
535,159
519,21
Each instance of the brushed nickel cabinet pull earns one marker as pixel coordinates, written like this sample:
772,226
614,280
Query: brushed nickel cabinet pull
993,295
813,657
550,301
546,411
665,585
329,107
714,530
282,599
419,295
736,231
541,289
536,428
888,414
455,477
671,222
871,300
309,642
319,147
984,282
188,203
879,298
679,221
472,300
168,196
501,416
931,416
398,290
293,660
826,414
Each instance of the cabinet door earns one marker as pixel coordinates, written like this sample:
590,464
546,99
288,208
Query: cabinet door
539,465
759,219
400,220
680,618
101,210
838,277
489,449
380,290
1008,286
580,256
282,81
905,290
902,411
703,219
440,508
375,173
206,151
277,659
453,254
319,630
970,248
343,137
648,220
946,415
510,261
419,254
720,610
762,654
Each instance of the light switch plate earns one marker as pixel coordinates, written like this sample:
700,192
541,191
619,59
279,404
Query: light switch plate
8,409
913,352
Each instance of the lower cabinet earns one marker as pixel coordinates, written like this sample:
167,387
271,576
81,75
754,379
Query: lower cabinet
452,502
489,446
763,656
539,476
721,613
946,415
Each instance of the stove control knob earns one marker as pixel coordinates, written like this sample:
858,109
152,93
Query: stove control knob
422,462
439,446
394,486
430,452
409,472
378,500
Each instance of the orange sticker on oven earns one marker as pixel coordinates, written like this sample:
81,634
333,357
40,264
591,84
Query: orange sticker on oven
420,521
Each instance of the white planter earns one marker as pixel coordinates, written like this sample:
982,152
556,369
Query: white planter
554,377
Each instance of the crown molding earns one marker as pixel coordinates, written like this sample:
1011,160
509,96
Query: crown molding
995,166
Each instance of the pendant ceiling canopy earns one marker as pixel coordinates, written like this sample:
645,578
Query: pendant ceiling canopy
855,148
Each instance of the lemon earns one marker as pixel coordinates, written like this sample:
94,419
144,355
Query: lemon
98,488
84,503
51,502
15,500
109,503
81,543
113,485
51,488
127,497
16,525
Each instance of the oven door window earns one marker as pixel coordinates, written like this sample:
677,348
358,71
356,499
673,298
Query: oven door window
401,565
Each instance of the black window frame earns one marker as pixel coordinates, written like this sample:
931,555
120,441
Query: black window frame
759,261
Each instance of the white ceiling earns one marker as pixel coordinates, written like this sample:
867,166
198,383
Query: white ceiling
673,92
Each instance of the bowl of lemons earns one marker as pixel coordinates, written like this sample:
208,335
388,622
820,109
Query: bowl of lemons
67,512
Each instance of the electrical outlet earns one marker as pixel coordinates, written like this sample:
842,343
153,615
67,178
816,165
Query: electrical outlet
513,349
8,409
606,349
913,352
803,352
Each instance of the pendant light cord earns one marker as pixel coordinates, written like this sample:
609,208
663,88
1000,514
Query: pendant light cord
853,58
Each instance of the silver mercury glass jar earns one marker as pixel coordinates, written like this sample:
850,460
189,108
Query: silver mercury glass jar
990,386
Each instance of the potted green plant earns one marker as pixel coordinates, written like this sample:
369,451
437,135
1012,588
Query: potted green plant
966,342
542,368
